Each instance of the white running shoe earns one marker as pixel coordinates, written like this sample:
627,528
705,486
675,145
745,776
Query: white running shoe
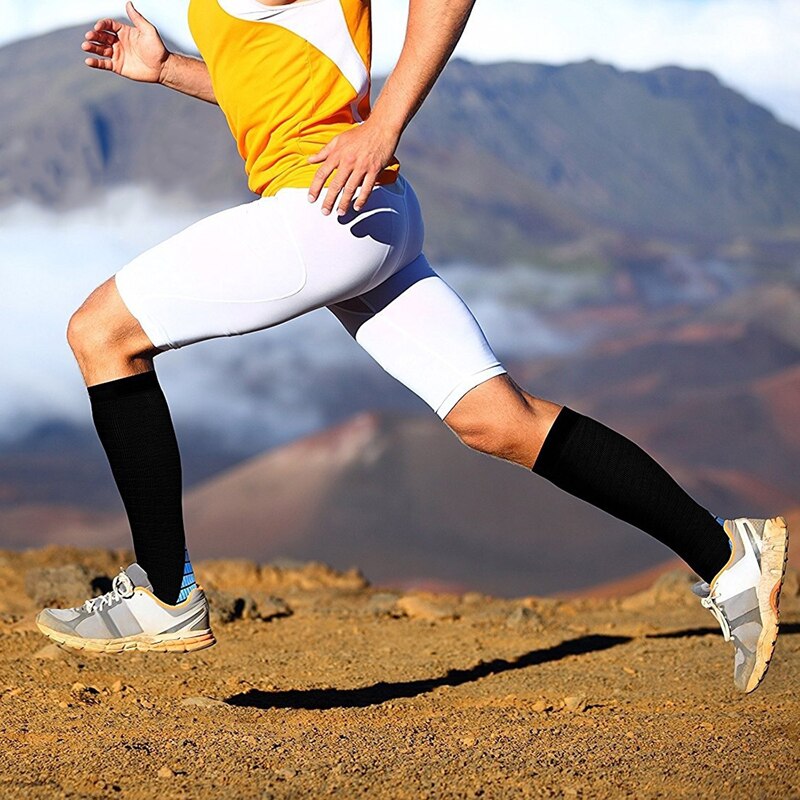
131,617
744,595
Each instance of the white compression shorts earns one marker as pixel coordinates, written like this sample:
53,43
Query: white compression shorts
273,259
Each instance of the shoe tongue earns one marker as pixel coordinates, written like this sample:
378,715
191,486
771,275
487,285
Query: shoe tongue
138,576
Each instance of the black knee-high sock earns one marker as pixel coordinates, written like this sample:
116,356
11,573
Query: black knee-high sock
599,465
135,429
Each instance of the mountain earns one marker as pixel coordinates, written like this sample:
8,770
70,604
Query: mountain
72,132
513,162
669,152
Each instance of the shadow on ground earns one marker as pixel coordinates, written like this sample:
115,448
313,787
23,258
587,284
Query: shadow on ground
383,692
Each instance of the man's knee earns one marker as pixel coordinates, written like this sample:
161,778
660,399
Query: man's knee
95,332
84,334
87,333
487,434
502,420
484,419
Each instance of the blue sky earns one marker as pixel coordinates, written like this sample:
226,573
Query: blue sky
753,45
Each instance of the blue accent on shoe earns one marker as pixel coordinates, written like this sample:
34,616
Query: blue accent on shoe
189,582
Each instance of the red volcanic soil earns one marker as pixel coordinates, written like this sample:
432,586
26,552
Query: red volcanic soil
361,692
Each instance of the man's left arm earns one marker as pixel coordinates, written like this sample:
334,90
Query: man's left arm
360,154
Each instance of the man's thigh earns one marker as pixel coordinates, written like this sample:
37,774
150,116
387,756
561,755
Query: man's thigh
257,265
421,332
227,274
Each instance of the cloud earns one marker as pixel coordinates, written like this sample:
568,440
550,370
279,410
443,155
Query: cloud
752,45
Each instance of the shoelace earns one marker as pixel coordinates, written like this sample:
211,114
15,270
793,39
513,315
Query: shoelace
121,588
710,603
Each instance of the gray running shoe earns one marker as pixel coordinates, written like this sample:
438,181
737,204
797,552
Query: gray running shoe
744,595
131,617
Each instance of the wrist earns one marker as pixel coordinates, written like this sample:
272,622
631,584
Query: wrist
391,129
165,73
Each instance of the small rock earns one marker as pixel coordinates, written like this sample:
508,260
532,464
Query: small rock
415,607
269,607
50,652
630,670
166,772
524,617
671,588
63,587
541,707
382,603
229,606
469,741
224,606
117,686
286,774
203,702
87,695
573,703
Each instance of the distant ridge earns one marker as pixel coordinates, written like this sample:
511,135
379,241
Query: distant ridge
540,156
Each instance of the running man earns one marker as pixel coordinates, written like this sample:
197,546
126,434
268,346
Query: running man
337,225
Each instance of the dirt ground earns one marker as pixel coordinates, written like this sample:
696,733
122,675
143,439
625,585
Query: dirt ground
321,686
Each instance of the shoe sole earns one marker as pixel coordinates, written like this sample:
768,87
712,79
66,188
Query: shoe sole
167,643
774,557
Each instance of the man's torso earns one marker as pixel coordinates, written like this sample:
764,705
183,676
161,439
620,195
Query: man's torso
288,78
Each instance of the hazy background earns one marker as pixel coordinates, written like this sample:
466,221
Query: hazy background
627,233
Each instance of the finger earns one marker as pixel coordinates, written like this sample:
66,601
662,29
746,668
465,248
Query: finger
98,49
330,198
320,176
102,37
321,155
98,63
350,188
334,188
108,25
364,193
135,17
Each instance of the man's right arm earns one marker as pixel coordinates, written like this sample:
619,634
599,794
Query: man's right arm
138,52
188,75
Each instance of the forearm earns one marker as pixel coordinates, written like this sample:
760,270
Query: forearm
434,28
189,76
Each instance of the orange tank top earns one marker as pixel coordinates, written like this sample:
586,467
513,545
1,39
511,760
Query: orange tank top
288,80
